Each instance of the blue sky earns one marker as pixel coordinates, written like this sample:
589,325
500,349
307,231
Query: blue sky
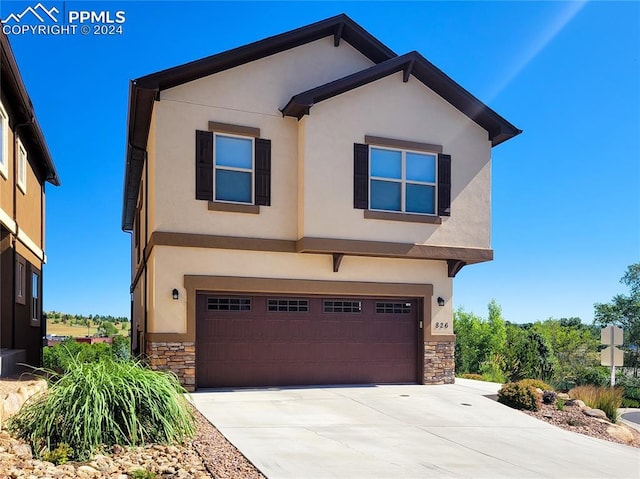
566,196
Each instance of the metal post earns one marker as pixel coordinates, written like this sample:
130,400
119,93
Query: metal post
613,367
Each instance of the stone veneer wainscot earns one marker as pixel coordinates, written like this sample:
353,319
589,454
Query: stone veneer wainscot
178,357
439,362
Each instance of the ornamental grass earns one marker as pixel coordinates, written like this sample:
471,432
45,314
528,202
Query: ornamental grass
106,403
599,397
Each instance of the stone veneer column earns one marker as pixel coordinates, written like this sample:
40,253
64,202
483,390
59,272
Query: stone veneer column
439,361
178,357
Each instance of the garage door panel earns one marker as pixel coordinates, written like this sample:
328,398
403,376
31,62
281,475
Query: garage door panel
275,341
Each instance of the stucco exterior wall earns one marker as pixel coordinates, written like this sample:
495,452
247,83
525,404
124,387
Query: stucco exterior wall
392,109
169,265
249,95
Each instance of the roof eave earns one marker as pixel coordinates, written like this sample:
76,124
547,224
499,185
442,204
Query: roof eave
18,90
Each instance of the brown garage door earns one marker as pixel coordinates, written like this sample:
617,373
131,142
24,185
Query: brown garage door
280,340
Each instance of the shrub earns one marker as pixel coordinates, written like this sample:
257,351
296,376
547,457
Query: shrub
627,402
61,357
106,403
477,377
603,398
142,474
549,397
560,404
536,383
519,396
60,455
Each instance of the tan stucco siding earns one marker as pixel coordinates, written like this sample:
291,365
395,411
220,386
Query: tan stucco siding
407,111
29,214
7,184
265,85
171,264
249,95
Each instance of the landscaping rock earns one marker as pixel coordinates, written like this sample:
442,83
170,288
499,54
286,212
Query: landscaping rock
576,403
12,404
620,432
597,413
22,451
564,396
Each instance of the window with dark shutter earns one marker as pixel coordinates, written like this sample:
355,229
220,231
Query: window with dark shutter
204,165
263,172
360,176
444,185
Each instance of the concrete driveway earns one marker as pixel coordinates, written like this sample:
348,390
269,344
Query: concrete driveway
404,431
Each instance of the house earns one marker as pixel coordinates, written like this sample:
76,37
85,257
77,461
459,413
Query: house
25,168
299,208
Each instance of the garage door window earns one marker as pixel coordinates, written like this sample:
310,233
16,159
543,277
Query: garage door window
341,306
393,307
288,305
229,304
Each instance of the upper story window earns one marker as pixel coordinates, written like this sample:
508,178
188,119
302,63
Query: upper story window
35,299
402,181
234,166
4,141
22,167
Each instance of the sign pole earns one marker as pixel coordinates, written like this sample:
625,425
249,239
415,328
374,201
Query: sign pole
613,363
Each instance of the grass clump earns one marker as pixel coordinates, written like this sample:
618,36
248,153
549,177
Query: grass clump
106,403
560,404
519,396
477,377
598,397
142,474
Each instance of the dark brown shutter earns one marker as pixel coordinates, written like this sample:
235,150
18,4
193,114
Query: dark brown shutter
204,165
263,172
360,176
444,185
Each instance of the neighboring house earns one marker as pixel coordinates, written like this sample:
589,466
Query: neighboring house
299,208
25,167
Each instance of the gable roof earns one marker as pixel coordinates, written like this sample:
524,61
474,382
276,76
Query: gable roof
145,90
412,63
22,112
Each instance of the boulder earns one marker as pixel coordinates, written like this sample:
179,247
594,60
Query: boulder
564,396
12,404
597,413
22,451
622,433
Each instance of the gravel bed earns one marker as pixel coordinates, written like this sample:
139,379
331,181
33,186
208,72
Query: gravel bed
573,419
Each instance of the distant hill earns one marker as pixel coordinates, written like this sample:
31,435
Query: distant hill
78,325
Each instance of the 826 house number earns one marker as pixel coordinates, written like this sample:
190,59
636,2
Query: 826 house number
442,325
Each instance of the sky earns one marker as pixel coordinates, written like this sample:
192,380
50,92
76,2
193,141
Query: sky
566,196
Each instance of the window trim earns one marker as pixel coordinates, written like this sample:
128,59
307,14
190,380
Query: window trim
21,280
403,180
22,166
36,299
252,171
4,154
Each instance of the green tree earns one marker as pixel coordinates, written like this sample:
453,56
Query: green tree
624,311
480,342
107,329
527,354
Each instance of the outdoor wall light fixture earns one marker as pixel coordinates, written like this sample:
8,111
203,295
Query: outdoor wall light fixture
175,293
440,301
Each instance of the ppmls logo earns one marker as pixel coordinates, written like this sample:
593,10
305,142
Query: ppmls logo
40,20
40,12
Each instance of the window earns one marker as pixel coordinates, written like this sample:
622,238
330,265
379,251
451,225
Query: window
288,305
233,168
402,181
341,306
393,307
228,304
21,280
233,160
4,141
35,299
22,167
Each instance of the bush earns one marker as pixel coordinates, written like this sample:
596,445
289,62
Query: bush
106,403
634,403
477,377
59,456
61,357
603,398
560,404
549,397
519,396
536,383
